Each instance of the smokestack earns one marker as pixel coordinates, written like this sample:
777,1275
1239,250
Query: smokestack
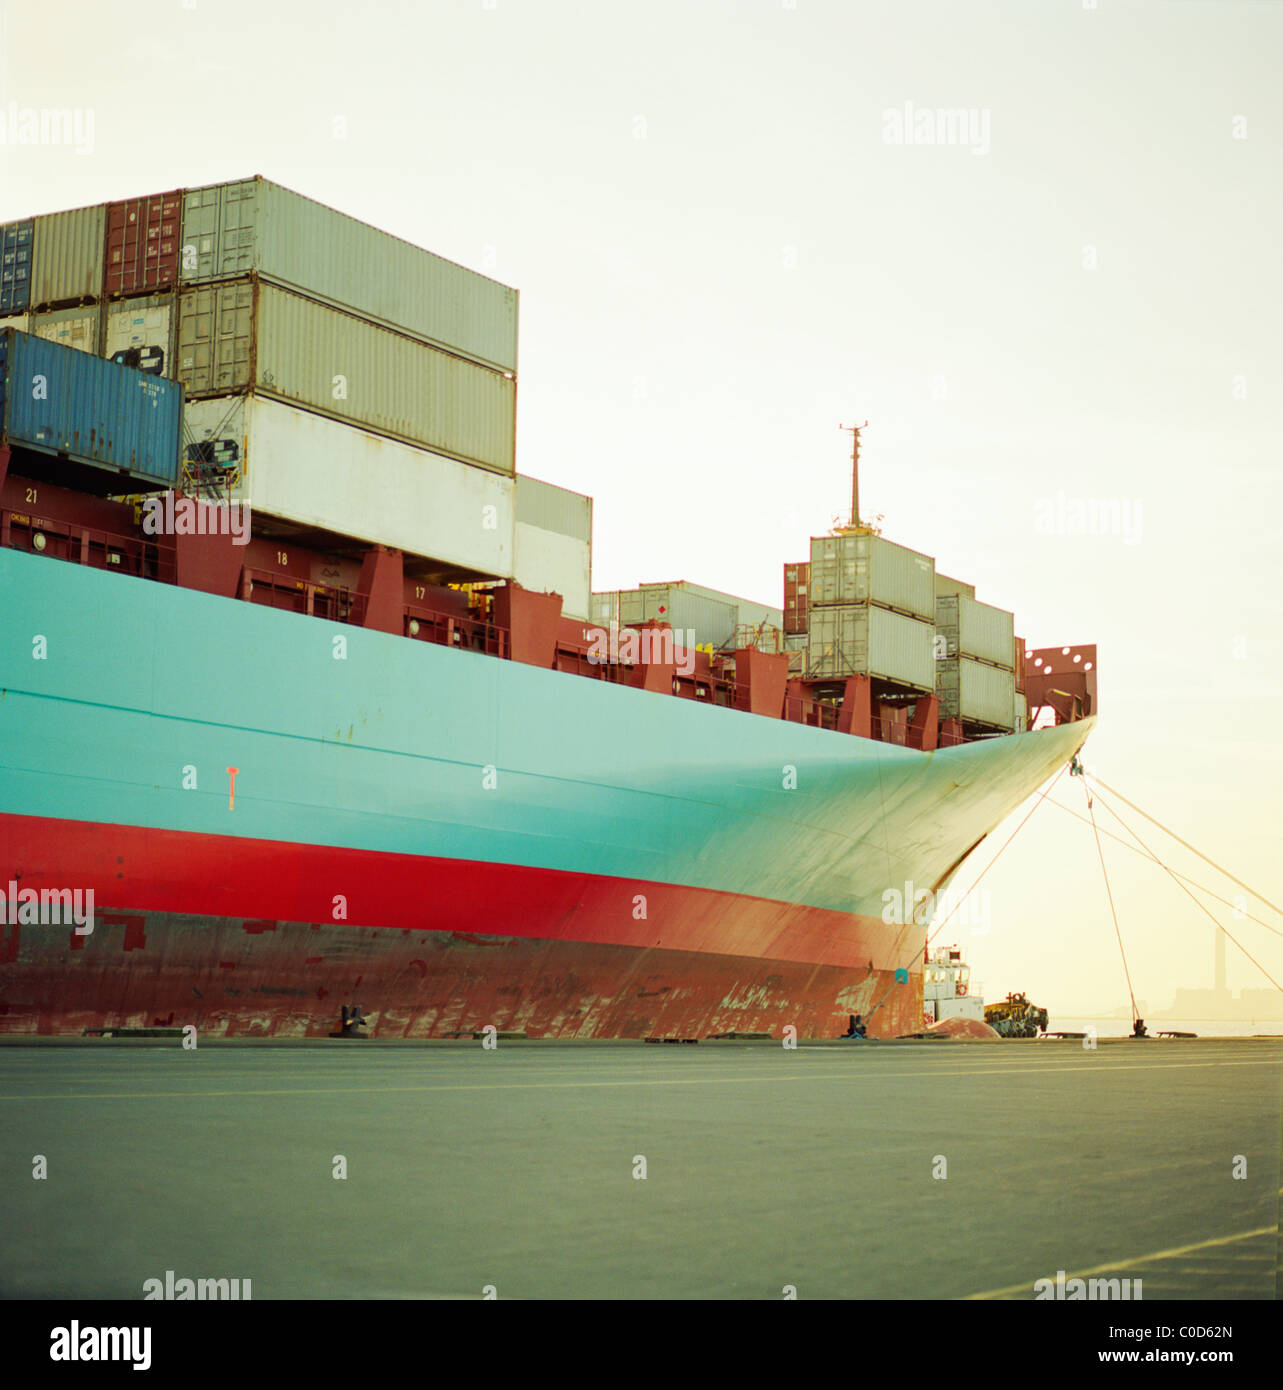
1219,985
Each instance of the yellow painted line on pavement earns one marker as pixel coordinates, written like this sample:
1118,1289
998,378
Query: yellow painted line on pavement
1028,1285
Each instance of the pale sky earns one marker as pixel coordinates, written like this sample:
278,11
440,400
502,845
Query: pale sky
722,257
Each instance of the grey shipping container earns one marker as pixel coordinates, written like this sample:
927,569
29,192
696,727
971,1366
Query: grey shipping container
750,612
945,585
554,508
972,691
1021,713
247,335
867,569
976,630
253,226
15,267
603,608
711,619
866,640
66,257
79,328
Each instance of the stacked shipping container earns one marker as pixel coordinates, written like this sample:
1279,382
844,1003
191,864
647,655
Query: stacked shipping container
871,611
553,544
718,620
976,679
248,293
797,582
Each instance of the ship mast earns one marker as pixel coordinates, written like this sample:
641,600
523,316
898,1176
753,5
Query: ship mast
855,471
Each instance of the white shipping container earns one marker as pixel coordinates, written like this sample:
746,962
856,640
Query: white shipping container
550,562
970,690
240,334
253,226
77,328
66,256
867,569
863,639
311,470
976,630
141,332
1020,706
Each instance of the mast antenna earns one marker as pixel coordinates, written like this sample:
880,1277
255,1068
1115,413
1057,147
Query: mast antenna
855,469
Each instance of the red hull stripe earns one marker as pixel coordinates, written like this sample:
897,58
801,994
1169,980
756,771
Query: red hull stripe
137,868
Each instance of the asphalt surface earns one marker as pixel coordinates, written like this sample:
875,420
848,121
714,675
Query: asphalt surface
765,1169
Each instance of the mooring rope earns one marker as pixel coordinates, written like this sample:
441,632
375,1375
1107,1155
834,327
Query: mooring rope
1100,849
1150,857
1202,906
1188,846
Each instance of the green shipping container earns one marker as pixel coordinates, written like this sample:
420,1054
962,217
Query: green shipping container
255,227
246,335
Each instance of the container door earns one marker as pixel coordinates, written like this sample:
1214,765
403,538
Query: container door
15,266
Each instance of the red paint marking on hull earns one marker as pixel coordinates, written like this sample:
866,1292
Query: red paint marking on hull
140,869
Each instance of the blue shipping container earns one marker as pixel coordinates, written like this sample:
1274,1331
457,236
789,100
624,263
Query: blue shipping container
61,401
16,241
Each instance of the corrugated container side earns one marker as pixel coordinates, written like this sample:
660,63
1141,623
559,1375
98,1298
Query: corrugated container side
316,357
1019,651
317,472
867,569
552,508
710,619
749,611
1020,721
140,333
311,355
253,225
945,585
66,257
141,254
15,266
90,410
976,630
319,250
79,328
864,639
974,691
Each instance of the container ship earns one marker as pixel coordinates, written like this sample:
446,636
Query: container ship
308,707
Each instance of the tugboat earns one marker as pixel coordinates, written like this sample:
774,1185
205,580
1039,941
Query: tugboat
947,988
